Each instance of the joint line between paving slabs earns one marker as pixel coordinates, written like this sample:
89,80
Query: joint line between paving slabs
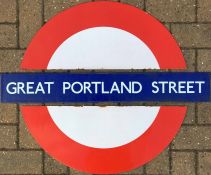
17,23
43,12
18,126
196,162
43,161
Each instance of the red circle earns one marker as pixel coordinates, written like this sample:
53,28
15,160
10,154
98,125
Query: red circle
110,14
168,55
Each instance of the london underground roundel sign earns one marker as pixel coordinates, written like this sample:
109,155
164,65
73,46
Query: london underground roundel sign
94,139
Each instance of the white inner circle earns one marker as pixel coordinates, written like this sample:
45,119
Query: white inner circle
103,127
103,48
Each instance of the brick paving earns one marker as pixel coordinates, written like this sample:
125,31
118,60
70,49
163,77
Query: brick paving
190,23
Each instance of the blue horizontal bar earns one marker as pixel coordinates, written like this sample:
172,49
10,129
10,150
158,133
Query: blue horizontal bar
104,87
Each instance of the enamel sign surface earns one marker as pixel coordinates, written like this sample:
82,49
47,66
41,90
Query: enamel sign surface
110,36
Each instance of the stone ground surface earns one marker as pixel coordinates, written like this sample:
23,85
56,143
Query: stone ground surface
190,23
